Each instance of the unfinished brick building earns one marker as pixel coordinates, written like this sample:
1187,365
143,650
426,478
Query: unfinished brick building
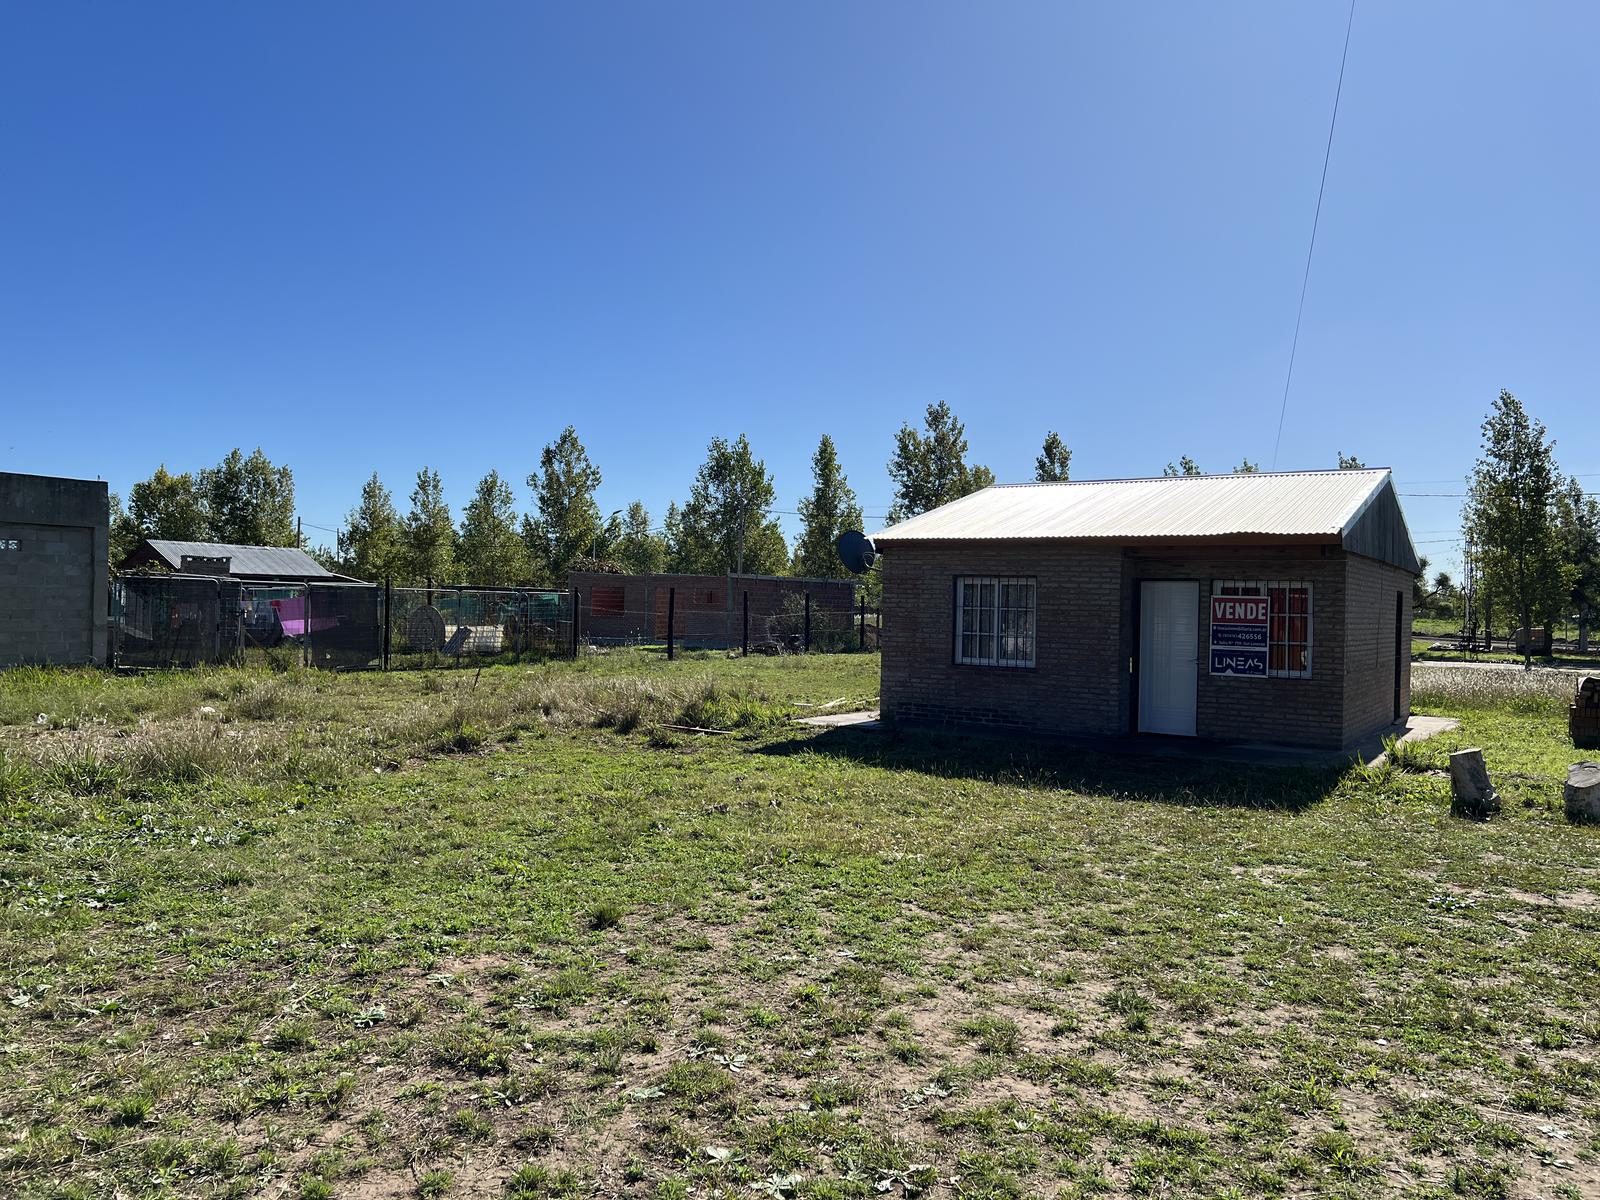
708,610
1252,608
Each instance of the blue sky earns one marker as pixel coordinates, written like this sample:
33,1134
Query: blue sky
372,237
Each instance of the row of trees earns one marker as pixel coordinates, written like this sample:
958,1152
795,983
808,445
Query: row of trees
1532,535
727,523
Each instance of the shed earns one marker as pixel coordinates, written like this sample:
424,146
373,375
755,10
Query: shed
249,564
1265,607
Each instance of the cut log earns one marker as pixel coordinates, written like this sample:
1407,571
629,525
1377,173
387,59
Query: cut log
1471,793
1582,794
425,629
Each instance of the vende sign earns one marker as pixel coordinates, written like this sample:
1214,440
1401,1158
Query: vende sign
1239,610
1239,635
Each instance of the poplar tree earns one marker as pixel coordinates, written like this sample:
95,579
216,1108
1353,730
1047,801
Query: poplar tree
371,544
1511,517
726,525
1054,462
566,521
1578,524
1184,466
827,512
929,468
430,534
639,550
490,551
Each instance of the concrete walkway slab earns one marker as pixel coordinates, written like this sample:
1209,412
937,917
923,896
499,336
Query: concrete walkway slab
852,720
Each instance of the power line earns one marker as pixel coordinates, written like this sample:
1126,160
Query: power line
1316,219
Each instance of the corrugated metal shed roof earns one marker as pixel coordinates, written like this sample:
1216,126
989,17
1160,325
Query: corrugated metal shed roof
1288,504
276,562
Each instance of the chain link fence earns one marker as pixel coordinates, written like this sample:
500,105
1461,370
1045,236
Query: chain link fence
165,621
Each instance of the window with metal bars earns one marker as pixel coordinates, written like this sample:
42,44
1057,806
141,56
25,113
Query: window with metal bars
994,620
1288,621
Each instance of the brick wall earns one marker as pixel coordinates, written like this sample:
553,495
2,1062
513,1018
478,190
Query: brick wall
1301,712
1075,686
1370,646
53,577
1083,681
708,610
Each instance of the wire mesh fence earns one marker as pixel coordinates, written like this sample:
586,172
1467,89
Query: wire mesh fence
435,626
163,621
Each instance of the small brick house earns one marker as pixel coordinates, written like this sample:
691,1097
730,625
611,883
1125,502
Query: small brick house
707,610
1272,607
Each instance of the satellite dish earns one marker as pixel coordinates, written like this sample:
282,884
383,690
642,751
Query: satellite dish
856,551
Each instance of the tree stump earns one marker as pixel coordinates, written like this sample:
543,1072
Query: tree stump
1582,794
1471,793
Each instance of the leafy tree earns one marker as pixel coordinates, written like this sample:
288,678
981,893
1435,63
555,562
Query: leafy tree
123,536
1247,468
1420,595
1578,524
930,469
1349,462
1185,466
568,522
639,550
372,543
167,506
1511,517
430,533
727,524
490,551
250,502
1054,462
824,515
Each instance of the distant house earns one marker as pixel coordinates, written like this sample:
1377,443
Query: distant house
706,610
248,564
1272,607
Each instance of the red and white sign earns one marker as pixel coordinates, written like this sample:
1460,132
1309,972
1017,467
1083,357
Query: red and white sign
1238,610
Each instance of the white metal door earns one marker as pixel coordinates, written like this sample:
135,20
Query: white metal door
1169,655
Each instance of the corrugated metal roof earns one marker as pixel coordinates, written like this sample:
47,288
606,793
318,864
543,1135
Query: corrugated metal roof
281,562
1278,504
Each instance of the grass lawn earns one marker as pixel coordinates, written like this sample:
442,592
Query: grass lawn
511,935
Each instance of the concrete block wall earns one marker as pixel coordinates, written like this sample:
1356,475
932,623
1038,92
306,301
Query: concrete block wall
54,535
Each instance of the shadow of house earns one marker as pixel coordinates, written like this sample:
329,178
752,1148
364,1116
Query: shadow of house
1128,772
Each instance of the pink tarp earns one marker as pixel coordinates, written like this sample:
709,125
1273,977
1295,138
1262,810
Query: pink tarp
292,616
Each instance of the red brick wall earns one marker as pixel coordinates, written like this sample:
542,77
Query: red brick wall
708,610
1083,682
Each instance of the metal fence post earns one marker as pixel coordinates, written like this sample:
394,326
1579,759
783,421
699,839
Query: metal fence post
573,596
388,616
672,619
808,622
745,645
305,639
863,644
